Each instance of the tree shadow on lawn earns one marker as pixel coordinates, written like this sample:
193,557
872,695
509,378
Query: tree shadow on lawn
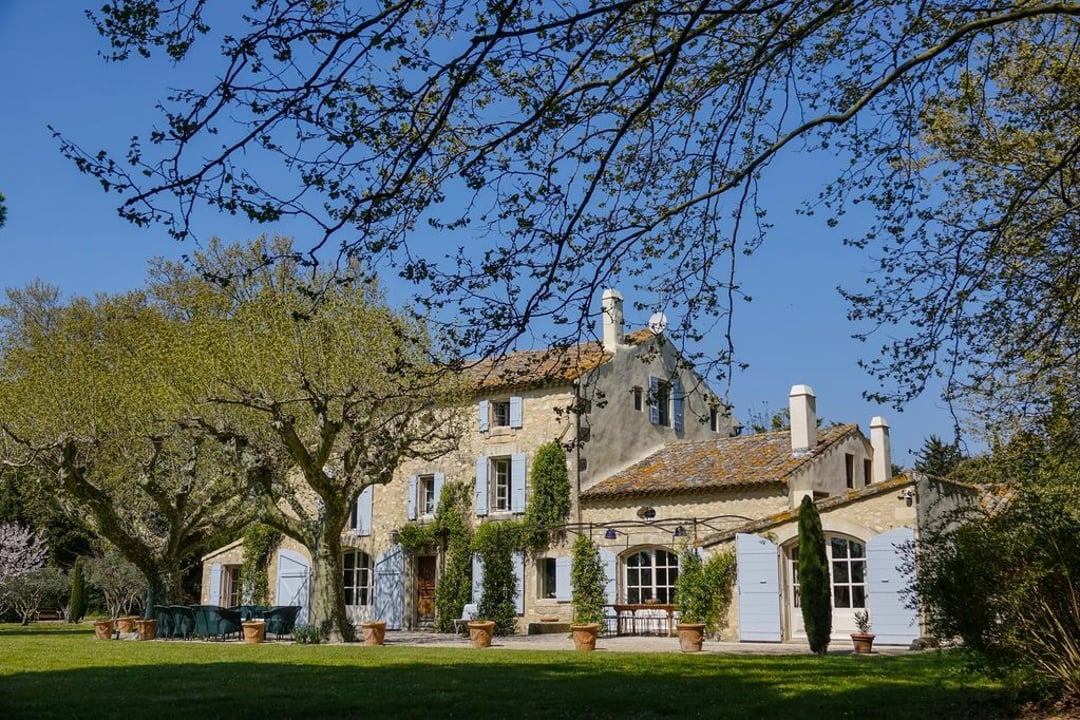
564,685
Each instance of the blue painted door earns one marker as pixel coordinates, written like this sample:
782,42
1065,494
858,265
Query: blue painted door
888,576
293,583
758,573
389,600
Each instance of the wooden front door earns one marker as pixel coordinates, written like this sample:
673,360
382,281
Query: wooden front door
425,588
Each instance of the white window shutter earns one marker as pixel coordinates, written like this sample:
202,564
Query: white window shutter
477,578
562,579
517,483
654,406
440,480
481,486
215,584
412,498
515,412
363,512
611,565
677,402
483,413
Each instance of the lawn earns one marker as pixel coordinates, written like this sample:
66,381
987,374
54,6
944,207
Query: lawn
60,671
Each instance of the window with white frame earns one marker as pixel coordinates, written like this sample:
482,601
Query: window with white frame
500,484
232,587
547,585
650,576
847,567
357,577
425,485
500,413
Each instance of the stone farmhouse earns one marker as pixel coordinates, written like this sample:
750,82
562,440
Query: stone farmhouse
655,463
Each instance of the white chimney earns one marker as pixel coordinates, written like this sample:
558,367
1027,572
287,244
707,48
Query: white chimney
802,407
611,308
881,470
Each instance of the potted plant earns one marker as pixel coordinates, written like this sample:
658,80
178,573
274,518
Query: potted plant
864,639
374,631
126,624
693,600
587,582
147,628
254,631
103,629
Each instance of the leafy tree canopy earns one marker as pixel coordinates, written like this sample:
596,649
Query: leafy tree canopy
580,145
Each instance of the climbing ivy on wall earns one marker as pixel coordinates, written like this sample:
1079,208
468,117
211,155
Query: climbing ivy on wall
259,544
495,543
455,587
549,503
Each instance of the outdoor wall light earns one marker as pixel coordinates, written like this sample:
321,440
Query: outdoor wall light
680,531
394,536
610,534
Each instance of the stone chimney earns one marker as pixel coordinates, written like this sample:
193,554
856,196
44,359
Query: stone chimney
881,470
802,407
611,309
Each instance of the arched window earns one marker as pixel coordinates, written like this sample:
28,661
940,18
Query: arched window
357,577
650,575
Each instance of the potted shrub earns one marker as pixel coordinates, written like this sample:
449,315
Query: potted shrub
587,581
103,629
864,639
702,596
480,632
374,631
254,631
147,628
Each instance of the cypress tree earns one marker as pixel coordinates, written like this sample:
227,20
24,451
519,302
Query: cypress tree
77,601
815,587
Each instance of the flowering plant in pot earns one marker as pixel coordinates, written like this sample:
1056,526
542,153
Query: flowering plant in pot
863,641
587,581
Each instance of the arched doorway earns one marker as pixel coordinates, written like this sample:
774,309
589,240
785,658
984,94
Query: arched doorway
847,570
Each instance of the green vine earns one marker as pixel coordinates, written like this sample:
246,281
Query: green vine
587,581
703,589
495,543
415,537
549,504
259,544
451,522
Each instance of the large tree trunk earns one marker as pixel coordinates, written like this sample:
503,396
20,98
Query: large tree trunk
327,592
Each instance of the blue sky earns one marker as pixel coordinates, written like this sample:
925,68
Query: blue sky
63,229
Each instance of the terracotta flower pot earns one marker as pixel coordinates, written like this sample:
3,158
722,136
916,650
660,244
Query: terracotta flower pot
103,629
374,632
585,635
147,629
691,636
480,632
126,624
254,631
863,643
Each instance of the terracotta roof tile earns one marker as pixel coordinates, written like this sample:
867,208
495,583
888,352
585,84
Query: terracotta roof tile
684,467
539,367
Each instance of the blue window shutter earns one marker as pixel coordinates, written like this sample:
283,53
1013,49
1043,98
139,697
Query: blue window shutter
477,578
518,558
654,407
215,584
515,412
562,579
363,511
440,479
481,486
517,483
888,576
412,498
677,401
483,413
758,585
611,570
388,597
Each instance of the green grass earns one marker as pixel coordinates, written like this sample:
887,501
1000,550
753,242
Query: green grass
60,671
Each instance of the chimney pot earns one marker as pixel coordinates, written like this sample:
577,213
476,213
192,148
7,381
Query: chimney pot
612,320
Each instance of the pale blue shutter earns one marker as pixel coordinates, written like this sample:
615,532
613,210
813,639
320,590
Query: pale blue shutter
292,582
440,480
483,413
215,584
611,570
517,483
481,486
518,558
758,581
888,578
515,412
411,500
363,512
388,603
654,400
677,402
477,578
562,579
